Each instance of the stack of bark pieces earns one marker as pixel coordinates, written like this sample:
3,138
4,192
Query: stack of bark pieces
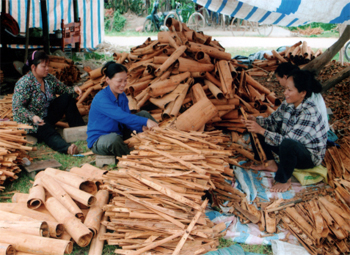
13,148
157,192
64,70
186,70
6,107
90,88
59,207
298,54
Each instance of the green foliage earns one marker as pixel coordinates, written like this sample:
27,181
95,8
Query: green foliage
116,23
137,6
186,10
324,26
225,243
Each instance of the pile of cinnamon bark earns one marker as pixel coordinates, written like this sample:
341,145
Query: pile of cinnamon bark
64,70
157,192
13,148
298,54
187,74
60,206
6,107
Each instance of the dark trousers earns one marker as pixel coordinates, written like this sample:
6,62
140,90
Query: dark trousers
292,155
113,143
62,105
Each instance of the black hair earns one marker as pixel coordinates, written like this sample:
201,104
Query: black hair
285,69
305,81
111,68
35,58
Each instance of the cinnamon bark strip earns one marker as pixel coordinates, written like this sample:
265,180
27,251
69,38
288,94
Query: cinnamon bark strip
97,243
72,180
79,232
36,195
188,65
168,85
94,74
211,51
214,90
7,249
94,216
161,102
34,227
179,101
82,197
35,244
196,116
225,78
56,190
90,172
170,60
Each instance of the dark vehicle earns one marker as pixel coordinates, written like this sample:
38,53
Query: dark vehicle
155,20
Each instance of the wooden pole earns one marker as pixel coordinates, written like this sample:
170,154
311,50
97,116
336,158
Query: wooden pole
336,79
46,38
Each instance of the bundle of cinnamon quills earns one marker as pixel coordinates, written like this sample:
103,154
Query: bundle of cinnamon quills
13,148
61,208
188,75
6,107
299,54
64,70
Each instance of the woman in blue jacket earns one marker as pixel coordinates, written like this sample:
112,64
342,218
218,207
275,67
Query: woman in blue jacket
110,119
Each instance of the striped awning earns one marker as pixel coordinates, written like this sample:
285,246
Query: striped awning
91,13
283,12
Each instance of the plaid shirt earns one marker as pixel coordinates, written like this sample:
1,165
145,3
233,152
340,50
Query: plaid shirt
303,124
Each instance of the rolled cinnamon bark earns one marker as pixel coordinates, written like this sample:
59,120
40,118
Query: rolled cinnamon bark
97,244
7,249
94,74
72,180
202,57
196,116
188,65
225,78
211,51
36,195
82,197
94,216
56,190
78,231
173,57
179,100
214,90
168,85
197,92
34,227
35,244
19,211
161,102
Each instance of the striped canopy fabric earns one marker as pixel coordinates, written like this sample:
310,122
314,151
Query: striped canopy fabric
91,13
283,12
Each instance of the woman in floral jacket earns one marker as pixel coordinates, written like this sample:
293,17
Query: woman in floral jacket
35,103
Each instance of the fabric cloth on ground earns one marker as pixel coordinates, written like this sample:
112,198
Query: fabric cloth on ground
235,249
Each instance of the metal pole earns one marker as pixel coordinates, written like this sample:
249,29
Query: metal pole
75,8
27,31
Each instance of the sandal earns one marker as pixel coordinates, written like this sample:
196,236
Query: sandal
72,149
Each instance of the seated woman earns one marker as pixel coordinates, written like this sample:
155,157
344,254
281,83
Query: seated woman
35,103
295,131
110,119
283,71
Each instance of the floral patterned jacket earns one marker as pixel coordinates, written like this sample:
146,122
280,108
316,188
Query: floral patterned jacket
28,100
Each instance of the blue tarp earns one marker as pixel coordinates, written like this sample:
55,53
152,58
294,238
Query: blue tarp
283,12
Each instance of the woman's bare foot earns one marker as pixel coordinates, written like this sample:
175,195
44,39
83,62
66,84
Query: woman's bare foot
72,149
281,187
271,166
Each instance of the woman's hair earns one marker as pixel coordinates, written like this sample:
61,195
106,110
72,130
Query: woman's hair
35,58
285,69
305,81
111,68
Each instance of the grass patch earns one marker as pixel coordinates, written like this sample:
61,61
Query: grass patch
260,249
107,250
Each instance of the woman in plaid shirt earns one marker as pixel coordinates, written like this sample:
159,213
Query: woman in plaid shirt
295,131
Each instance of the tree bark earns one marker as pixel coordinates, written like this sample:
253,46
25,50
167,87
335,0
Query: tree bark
336,79
318,63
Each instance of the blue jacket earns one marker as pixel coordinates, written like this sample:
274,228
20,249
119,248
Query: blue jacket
109,115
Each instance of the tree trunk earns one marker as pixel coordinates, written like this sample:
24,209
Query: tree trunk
318,63
148,4
336,79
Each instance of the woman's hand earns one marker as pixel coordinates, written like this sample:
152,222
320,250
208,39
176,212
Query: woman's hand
150,124
249,117
38,121
78,91
254,127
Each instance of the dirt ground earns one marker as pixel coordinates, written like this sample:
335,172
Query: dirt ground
133,22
